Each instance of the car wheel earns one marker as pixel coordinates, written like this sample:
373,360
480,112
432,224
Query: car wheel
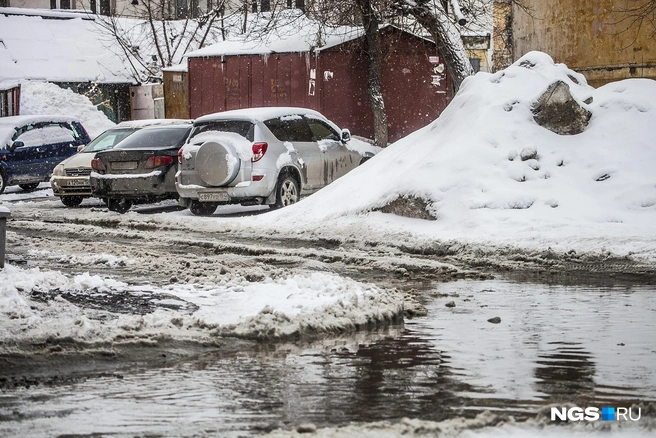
119,205
71,201
202,208
287,191
29,187
3,181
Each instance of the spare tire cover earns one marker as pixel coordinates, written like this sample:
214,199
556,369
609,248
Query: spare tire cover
217,164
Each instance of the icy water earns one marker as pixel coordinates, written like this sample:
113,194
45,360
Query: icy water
554,344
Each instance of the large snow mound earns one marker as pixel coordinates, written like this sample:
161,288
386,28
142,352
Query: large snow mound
488,171
37,306
38,98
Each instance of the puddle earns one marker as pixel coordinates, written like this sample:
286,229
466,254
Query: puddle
554,344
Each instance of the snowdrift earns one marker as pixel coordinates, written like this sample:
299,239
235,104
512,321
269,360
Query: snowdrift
488,173
39,307
46,98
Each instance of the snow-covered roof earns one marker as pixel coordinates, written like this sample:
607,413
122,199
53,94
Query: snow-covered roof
178,68
283,40
8,84
46,13
68,49
292,34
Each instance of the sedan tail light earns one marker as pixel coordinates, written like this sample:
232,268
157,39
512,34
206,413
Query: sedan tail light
180,156
259,149
158,161
96,164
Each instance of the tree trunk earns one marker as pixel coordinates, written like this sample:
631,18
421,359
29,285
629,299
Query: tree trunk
375,87
432,16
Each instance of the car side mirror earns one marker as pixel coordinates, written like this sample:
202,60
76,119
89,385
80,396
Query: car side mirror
346,135
16,144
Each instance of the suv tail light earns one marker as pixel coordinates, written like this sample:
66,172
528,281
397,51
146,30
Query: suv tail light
96,164
180,156
259,149
158,161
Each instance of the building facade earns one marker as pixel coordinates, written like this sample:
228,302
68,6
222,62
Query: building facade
600,39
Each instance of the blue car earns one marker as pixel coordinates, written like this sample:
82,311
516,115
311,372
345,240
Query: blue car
31,147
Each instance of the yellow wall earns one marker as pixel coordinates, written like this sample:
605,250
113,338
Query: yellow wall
592,37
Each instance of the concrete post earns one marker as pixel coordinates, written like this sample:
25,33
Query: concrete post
4,214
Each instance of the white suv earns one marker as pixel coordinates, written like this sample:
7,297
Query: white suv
268,156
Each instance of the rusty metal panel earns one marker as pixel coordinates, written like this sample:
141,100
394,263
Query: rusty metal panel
343,80
269,76
217,87
411,69
283,84
195,85
334,82
245,81
257,82
298,79
231,83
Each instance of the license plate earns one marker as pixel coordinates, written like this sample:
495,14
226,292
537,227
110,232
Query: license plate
77,182
124,165
213,197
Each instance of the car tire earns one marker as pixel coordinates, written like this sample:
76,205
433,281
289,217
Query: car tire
3,181
202,208
29,187
119,205
288,191
71,201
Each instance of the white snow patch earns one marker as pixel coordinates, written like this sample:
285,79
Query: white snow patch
294,306
39,98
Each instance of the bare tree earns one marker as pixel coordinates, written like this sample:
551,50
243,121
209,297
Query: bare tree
638,16
375,83
158,40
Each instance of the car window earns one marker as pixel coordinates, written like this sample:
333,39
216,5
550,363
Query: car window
242,127
289,128
156,138
321,130
108,140
46,133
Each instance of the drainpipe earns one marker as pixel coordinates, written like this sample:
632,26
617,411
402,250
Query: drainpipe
4,214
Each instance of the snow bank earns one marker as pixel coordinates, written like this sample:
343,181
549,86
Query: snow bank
46,98
36,306
490,174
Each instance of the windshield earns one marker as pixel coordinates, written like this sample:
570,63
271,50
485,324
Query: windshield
108,140
156,138
241,127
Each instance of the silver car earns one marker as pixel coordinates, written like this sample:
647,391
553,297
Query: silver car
267,156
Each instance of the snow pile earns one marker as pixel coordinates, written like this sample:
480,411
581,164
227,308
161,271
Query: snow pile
38,98
490,174
36,306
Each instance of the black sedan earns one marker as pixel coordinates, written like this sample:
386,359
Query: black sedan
140,169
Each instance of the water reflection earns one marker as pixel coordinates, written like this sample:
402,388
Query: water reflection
566,374
553,345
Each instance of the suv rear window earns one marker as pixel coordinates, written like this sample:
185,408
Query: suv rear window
289,128
242,127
